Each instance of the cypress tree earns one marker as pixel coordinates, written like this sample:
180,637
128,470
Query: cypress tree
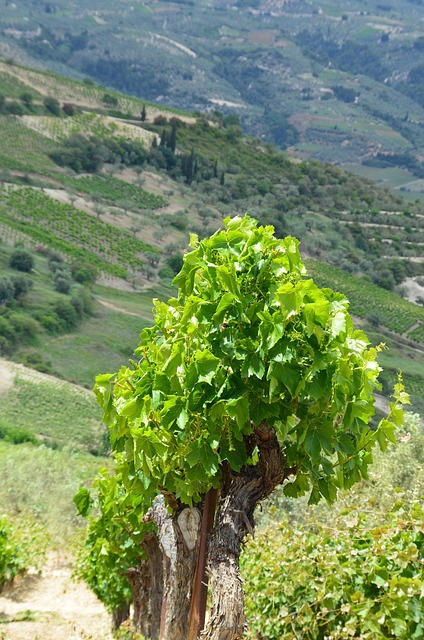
172,140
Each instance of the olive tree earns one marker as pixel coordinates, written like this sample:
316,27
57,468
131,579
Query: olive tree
249,378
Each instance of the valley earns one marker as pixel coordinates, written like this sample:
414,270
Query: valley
339,83
98,195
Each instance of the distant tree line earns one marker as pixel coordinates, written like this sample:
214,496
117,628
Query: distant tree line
129,76
354,57
404,160
88,154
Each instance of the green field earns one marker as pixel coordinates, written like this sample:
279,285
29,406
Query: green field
54,411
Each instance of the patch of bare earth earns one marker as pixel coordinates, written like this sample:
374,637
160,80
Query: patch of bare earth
7,377
413,289
9,370
52,607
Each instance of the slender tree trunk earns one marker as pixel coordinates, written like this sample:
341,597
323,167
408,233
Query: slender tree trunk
239,496
178,536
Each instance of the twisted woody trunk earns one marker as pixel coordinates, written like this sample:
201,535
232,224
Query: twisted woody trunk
240,494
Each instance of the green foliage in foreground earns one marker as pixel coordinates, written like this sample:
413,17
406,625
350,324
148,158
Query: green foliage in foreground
22,546
249,341
350,579
353,571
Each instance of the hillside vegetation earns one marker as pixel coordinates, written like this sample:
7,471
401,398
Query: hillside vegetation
92,227
98,194
105,213
337,82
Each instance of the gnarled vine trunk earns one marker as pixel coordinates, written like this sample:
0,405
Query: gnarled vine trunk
178,536
147,588
240,494
120,615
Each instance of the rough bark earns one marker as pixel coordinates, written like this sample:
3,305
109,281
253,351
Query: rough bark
120,615
200,585
146,583
240,494
178,536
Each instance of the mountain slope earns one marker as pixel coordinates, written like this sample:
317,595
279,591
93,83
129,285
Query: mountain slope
340,82
119,196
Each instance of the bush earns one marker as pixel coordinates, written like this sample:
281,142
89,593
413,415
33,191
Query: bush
6,329
37,361
350,579
83,303
22,260
25,328
15,108
7,290
80,154
56,261
52,105
66,313
62,282
14,435
175,262
4,346
21,285
68,109
50,322
22,545
84,272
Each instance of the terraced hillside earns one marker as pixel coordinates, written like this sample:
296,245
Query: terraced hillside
108,188
341,82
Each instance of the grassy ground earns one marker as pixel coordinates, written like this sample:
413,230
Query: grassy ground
103,344
57,412
40,482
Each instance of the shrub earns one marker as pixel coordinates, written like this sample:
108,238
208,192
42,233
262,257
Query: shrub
83,303
68,109
7,290
27,98
50,322
52,105
22,284
80,154
84,272
22,260
56,261
109,99
6,329
66,313
175,262
24,327
4,346
62,282
15,435
21,545
15,108
351,578
37,361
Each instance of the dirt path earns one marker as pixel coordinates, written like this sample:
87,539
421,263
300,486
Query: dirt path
52,607
114,307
